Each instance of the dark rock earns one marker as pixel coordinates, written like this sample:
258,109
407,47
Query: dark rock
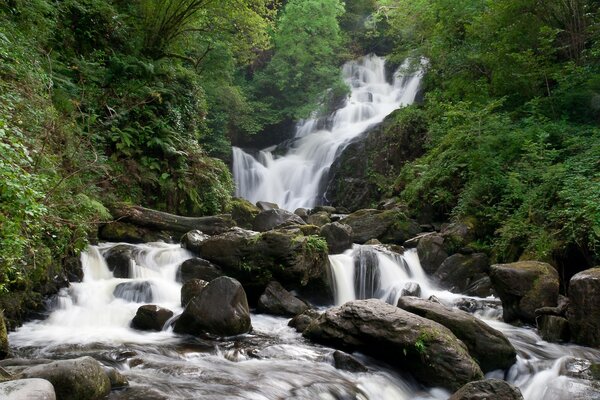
338,237
27,389
457,235
117,379
560,310
80,378
490,348
488,389
193,239
319,218
118,231
347,362
480,288
459,271
191,289
220,309
302,213
388,226
523,287
266,206
150,317
118,259
136,292
198,268
302,321
431,252
243,212
553,328
425,348
584,313
411,289
278,301
270,219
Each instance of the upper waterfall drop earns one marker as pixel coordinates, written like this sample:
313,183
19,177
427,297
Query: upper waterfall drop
295,179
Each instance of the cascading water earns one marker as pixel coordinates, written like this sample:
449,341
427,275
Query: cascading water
295,179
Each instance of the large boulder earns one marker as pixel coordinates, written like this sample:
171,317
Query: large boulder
423,347
27,389
191,289
584,313
243,212
388,226
151,317
488,389
523,287
338,237
191,240
220,309
270,219
459,271
278,301
198,268
136,292
489,347
431,252
80,378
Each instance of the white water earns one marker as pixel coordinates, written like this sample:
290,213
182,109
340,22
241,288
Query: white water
295,179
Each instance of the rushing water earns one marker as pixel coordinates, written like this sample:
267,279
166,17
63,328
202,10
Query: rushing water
296,179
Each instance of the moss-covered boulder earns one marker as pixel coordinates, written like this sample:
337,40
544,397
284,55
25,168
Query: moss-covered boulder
338,236
489,347
488,389
4,349
118,231
523,287
388,226
318,218
409,342
584,310
243,212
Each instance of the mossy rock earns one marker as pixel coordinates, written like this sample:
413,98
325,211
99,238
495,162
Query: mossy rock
243,212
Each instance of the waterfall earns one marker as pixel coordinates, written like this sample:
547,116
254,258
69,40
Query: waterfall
296,179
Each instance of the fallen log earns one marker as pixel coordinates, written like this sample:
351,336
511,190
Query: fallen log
140,216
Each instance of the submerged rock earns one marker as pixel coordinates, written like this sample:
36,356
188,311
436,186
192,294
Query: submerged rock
136,292
151,317
27,389
388,226
118,259
270,219
80,378
220,309
488,389
338,237
278,301
420,346
523,287
584,313
489,347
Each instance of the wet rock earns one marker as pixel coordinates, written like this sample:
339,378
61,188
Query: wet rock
117,379
411,289
118,259
27,389
150,317
4,348
198,268
270,219
580,368
584,313
136,292
488,389
5,375
489,347
80,378
319,218
302,213
347,362
459,271
278,301
553,328
523,287
118,231
425,348
480,288
220,309
191,289
338,237
431,252
193,239
560,310
302,321
265,206
388,226
243,212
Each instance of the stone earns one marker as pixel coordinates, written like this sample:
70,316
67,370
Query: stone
457,235
388,226
136,292
489,347
198,268
117,379
243,212
326,209
553,328
580,368
191,289
118,231
278,301
338,237
302,213
411,289
459,271
118,259
584,310
76,379
347,362
151,317
27,389
193,239
482,287
302,321
319,218
4,347
488,389
265,206
271,219
431,252
220,309
523,287
407,341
